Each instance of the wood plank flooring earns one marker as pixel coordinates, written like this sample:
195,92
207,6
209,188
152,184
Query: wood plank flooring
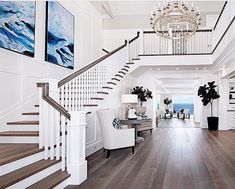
178,123
174,158
12,152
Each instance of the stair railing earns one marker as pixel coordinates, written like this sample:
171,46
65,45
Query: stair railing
62,110
199,43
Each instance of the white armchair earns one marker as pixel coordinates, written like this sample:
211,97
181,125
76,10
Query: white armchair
114,138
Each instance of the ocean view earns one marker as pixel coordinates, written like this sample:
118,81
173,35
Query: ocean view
178,107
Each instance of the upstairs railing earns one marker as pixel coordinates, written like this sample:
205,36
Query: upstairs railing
199,43
62,108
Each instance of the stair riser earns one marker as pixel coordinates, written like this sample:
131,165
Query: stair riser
63,184
7,168
30,117
22,128
36,177
19,139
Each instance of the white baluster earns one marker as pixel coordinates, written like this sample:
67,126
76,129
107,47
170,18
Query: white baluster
63,150
41,119
51,130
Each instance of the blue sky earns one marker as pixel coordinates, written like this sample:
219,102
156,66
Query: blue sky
183,99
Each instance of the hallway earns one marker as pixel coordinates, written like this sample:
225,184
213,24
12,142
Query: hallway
178,123
170,158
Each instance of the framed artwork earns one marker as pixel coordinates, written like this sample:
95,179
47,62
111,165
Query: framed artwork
59,35
17,26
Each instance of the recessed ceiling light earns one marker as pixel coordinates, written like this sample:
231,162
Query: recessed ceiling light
177,68
150,69
196,68
204,68
158,69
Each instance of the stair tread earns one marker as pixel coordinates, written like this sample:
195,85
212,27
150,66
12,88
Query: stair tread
13,152
112,83
23,123
130,63
115,79
101,92
105,87
24,172
96,98
122,72
19,133
90,104
119,75
124,69
36,105
51,181
30,113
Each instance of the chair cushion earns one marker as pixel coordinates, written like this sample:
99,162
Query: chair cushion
117,123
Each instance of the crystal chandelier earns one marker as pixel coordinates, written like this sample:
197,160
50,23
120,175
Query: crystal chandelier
175,20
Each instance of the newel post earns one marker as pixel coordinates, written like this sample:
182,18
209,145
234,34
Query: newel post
77,165
141,44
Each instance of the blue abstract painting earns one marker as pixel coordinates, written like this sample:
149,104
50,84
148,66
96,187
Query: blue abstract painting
60,35
17,26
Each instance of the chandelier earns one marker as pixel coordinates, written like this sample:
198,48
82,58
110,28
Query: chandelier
175,20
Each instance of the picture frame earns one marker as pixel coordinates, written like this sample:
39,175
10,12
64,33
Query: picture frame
17,26
59,44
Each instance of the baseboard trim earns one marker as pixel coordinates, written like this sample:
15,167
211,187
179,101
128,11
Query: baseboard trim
93,147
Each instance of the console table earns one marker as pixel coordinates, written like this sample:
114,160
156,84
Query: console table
136,123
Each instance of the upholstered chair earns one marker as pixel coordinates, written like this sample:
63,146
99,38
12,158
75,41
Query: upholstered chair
114,138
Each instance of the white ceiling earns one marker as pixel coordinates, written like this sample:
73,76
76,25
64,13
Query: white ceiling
145,7
179,85
197,68
184,81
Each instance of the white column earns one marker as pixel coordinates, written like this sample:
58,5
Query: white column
77,165
223,102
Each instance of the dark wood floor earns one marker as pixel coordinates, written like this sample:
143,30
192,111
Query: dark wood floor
11,152
174,158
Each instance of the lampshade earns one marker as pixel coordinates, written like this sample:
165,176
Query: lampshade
129,98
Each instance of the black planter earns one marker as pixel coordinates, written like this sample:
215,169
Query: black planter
213,123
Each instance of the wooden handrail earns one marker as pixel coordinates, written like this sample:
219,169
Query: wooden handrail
201,30
136,37
225,3
51,101
105,50
82,70
223,34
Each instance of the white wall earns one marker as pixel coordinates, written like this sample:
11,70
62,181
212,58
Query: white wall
19,73
114,38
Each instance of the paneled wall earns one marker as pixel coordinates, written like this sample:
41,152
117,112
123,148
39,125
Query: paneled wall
19,73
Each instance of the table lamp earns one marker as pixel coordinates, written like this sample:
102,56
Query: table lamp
130,99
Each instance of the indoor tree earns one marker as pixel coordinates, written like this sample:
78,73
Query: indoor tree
143,94
208,94
167,101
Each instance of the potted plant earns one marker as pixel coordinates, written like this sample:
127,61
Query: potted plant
143,96
167,102
208,94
